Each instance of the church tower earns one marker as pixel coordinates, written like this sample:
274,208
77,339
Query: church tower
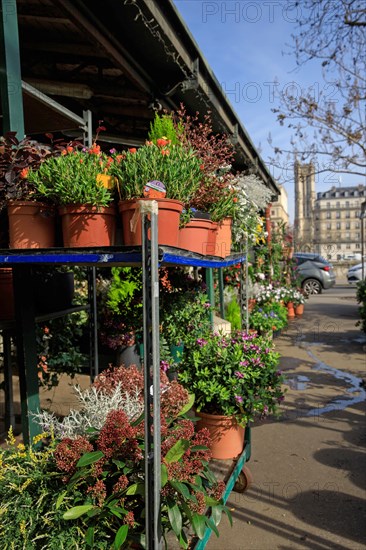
304,207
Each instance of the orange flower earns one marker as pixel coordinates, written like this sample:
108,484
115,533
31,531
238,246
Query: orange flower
81,161
69,149
63,152
133,150
162,142
165,152
235,199
148,143
24,173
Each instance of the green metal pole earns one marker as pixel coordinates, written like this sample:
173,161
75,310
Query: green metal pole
27,358
221,293
10,73
210,291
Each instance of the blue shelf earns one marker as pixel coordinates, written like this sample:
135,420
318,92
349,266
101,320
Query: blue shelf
113,256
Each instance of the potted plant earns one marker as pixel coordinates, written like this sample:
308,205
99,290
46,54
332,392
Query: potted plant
177,171
31,220
299,301
233,378
71,180
96,454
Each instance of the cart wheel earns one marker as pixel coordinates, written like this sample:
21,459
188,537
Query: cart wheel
244,481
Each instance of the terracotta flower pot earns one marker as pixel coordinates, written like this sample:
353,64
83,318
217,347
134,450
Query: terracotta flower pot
168,221
299,309
290,310
87,226
223,238
227,437
196,235
31,225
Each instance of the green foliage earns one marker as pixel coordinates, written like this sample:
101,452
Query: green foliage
184,316
176,167
268,317
361,299
126,283
233,314
232,375
72,178
163,127
30,487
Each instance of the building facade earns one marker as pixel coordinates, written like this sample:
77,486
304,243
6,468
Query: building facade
337,224
304,206
279,209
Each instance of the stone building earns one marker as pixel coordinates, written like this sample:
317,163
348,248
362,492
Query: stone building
279,209
304,206
337,222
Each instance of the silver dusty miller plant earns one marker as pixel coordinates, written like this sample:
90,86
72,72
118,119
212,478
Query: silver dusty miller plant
95,406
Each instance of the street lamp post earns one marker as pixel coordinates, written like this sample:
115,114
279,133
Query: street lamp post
362,218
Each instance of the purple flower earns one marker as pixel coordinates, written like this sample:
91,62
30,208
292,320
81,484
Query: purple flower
201,342
281,398
164,365
207,305
239,374
279,372
244,363
112,151
239,398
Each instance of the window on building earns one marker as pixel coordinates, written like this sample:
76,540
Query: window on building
338,204
348,236
273,212
358,245
338,247
329,215
328,204
348,246
348,214
357,225
329,226
338,225
338,214
357,213
348,225
358,236
347,204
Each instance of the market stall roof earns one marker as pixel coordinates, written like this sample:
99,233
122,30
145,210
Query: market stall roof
122,60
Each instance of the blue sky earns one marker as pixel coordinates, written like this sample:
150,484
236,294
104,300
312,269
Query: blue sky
243,42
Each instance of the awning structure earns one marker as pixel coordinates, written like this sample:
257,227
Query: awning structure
122,61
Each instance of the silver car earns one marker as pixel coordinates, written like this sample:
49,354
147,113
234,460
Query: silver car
315,274
354,274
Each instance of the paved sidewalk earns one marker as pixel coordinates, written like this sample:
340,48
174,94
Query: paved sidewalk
309,466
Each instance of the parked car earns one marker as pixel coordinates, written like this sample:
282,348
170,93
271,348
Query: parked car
354,274
315,272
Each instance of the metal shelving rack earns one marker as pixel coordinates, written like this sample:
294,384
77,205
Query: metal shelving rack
150,256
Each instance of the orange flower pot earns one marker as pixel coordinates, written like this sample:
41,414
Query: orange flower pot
223,238
168,221
227,437
299,310
88,226
196,235
31,225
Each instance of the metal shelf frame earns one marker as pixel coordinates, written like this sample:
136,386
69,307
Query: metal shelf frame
150,256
